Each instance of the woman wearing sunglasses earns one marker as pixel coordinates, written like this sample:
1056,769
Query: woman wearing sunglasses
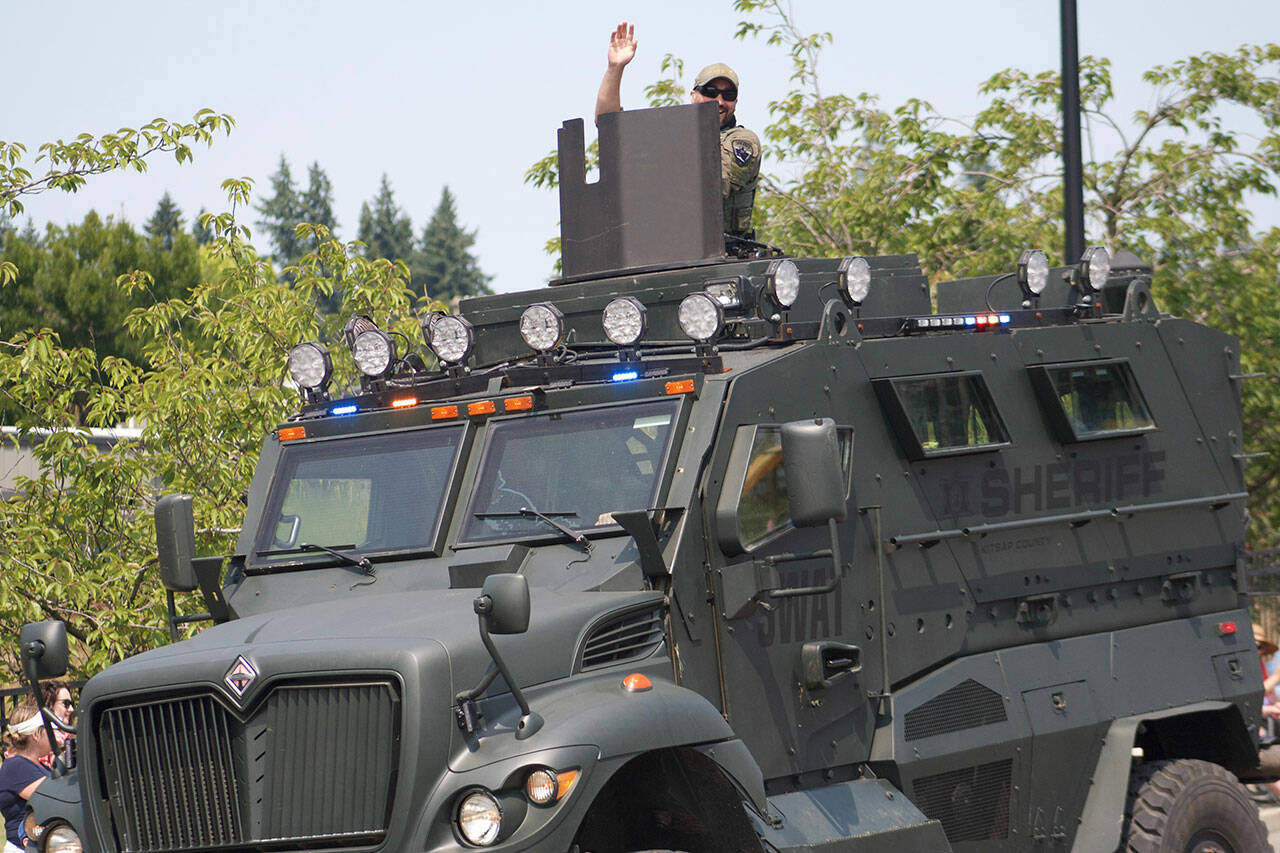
739,147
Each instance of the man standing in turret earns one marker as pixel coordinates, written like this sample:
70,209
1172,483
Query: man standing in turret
739,147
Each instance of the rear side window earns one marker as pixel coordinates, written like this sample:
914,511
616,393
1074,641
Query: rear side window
942,414
1088,400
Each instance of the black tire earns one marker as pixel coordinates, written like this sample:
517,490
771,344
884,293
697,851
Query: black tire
1190,806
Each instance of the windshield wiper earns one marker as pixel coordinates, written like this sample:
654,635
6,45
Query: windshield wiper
364,564
524,512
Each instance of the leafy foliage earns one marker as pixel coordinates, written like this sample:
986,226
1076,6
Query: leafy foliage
65,280
78,544
68,164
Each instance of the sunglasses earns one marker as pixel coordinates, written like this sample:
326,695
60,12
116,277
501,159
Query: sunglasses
709,91
65,703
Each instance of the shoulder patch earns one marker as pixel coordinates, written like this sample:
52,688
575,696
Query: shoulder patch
742,153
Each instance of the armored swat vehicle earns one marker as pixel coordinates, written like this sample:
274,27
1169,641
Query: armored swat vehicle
712,552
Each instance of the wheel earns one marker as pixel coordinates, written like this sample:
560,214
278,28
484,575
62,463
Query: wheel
1189,806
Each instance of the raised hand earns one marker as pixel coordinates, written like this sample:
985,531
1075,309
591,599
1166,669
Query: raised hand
622,45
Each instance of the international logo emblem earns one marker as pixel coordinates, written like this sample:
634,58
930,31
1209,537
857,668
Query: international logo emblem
240,676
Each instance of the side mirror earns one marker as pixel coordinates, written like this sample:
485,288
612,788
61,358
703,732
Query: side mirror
44,650
509,608
176,542
815,473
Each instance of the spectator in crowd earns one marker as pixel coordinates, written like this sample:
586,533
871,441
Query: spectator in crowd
57,698
26,743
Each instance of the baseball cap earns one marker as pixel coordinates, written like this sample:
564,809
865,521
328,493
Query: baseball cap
714,70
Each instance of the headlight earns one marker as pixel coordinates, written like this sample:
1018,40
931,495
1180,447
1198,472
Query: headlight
542,327
854,279
540,786
700,317
1033,272
624,320
1095,266
782,282
479,818
63,839
450,338
374,352
310,366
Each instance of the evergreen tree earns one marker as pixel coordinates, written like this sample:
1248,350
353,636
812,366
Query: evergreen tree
443,267
281,214
202,233
385,230
316,204
315,207
166,221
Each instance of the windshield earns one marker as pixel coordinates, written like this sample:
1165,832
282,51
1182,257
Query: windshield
575,467
378,493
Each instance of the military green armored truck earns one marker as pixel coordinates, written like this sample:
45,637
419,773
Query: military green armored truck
709,550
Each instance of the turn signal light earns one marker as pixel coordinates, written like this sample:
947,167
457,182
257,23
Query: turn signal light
292,433
684,386
637,682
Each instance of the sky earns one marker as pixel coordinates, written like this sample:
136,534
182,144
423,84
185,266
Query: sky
470,94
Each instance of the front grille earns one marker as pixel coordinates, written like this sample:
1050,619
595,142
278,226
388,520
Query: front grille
310,763
628,637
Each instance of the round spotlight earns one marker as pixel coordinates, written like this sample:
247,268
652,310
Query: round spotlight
1095,266
854,279
356,324
479,818
624,321
700,316
450,337
1033,272
540,786
542,327
782,282
374,352
310,366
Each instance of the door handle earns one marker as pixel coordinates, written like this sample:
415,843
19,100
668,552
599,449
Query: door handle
824,661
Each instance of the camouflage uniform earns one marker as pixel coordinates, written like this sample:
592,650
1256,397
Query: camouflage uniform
739,170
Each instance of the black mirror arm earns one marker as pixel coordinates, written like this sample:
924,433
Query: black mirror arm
32,652
529,721
792,592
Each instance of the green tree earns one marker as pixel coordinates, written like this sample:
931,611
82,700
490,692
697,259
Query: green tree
315,206
281,214
200,230
166,221
385,229
79,545
444,267
67,165
65,281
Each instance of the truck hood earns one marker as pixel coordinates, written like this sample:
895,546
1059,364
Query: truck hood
420,634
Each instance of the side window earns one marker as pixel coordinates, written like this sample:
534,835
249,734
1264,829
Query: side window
754,503
1091,400
942,414
763,506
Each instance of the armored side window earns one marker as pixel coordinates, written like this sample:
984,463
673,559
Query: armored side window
942,414
754,504
1088,400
